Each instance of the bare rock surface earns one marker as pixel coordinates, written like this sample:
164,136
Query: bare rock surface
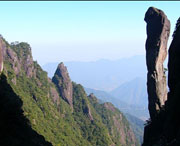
164,130
1,57
63,82
158,29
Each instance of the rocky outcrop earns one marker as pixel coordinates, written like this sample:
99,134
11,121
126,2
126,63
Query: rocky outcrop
2,49
20,57
1,57
165,129
87,111
63,82
54,95
158,29
109,106
93,97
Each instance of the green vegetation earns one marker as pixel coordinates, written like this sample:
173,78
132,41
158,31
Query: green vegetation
89,124
92,130
137,126
117,124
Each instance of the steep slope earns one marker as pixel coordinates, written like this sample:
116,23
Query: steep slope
92,126
140,112
136,123
88,120
118,127
137,126
41,102
132,92
14,126
45,109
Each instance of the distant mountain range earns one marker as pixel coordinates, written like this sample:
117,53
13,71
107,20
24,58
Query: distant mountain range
103,74
138,111
122,82
133,92
134,114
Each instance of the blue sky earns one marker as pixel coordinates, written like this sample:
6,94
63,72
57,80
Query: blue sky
80,31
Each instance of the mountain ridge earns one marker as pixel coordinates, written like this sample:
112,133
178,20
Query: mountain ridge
48,112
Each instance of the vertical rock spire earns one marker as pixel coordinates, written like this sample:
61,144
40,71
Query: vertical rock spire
158,29
63,82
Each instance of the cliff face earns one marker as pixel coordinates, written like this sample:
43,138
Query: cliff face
1,56
158,29
63,82
118,127
164,129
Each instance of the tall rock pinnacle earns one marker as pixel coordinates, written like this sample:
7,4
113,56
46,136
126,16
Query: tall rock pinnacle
63,82
158,29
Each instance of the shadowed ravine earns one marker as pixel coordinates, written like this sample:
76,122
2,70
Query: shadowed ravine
14,126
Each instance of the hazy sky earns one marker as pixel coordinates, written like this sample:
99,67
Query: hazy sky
81,31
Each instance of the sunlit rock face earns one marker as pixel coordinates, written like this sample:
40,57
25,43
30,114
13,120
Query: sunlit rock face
158,29
63,82
164,129
1,56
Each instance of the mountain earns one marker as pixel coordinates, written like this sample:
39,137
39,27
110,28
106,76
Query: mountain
133,92
14,126
136,123
103,74
38,111
137,126
138,111
102,95
163,128
114,120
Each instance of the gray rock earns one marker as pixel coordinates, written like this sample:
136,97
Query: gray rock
1,57
158,29
63,82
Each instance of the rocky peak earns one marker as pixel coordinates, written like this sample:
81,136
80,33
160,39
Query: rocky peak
109,106
158,29
63,82
19,56
93,97
24,57
165,129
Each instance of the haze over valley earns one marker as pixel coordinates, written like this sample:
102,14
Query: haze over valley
89,73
